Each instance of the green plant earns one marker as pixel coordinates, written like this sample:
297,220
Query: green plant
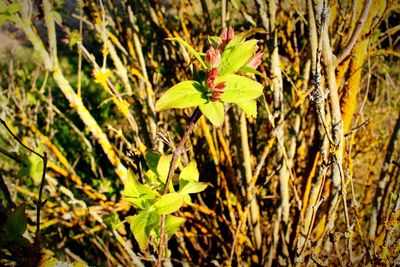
228,63
151,203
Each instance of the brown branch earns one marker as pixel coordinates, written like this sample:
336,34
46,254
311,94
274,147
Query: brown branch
177,152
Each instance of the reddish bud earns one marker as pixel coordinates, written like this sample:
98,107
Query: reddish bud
214,99
255,60
211,76
227,35
221,86
213,57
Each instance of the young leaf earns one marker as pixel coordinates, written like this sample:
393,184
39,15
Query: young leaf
214,111
239,88
16,222
141,226
236,56
172,224
137,193
3,7
190,172
191,49
250,70
152,158
13,8
32,167
168,203
192,187
249,107
241,36
188,200
182,95
163,167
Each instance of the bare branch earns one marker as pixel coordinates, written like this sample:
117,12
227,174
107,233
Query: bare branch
356,33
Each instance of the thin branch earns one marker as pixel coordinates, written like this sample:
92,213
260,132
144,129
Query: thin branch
19,140
44,158
356,33
177,152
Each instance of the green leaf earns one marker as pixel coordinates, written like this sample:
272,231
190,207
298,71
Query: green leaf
239,88
190,49
190,172
137,193
249,107
163,167
188,200
3,7
168,203
141,226
239,38
3,18
13,8
182,95
32,166
152,158
234,57
57,17
151,177
172,224
191,187
16,222
214,40
249,70
214,111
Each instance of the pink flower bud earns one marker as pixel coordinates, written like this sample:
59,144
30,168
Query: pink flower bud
211,76
213,57
227,35
221,86
216,90
255,60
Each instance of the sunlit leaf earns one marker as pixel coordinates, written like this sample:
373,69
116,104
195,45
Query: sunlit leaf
249,107
13,8
168,203
182,95
191,187
234,57
163,167
214,111
32,166
141,226
152,158
241,36
172,224
239,88
250,70
188,200
190,172
137,193
3,18
3,7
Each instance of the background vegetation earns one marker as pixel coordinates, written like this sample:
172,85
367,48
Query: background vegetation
314,179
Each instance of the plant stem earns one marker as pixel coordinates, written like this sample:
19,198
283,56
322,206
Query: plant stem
177,151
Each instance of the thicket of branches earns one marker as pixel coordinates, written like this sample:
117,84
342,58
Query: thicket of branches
314,179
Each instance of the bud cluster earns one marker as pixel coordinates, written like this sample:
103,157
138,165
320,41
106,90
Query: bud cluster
213,58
